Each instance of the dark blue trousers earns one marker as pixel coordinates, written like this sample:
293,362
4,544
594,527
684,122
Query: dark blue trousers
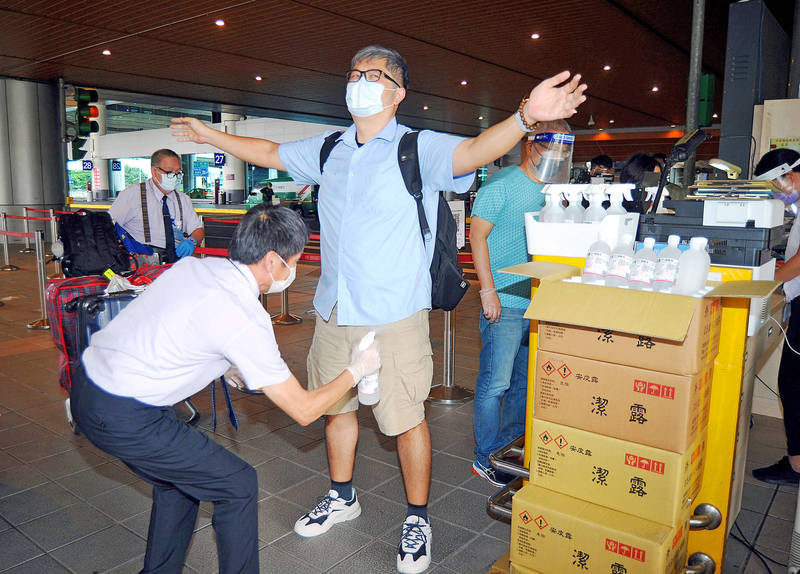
184,466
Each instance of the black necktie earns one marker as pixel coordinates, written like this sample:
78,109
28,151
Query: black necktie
168,233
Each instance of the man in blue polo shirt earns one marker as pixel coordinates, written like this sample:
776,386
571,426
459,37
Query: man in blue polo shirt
375,265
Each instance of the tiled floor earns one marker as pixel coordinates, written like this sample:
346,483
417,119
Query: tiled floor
66,507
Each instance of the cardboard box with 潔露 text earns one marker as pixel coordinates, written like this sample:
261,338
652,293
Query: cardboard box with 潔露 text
654,408
573,327
555,533
648,482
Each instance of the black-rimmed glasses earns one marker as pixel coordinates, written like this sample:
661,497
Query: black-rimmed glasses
369,75
165,172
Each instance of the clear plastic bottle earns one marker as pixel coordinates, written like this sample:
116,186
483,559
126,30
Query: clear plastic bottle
643,266
615,197
619,266
595,212
575,211
553,211
693,268
666,271
368,388
596,267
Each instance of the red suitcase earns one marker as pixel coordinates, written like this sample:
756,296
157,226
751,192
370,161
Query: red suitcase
64,321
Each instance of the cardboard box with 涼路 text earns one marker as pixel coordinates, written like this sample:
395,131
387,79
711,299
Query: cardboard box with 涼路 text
653,408
648,482
633,333
555,533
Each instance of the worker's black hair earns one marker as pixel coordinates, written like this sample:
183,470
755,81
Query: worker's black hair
266,228
636,167
602,161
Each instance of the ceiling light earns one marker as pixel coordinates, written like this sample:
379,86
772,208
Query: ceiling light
606,67
220,22
463,82
611,121
715,115
106,52
259,78
534,36
480,117
654,89
600,129
424,107
672,125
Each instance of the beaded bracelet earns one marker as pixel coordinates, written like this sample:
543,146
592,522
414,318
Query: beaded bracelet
522,123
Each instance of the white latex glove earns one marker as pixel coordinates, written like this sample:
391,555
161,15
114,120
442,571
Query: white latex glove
234,378
366,362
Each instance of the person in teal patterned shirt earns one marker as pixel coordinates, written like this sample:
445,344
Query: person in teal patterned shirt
497,237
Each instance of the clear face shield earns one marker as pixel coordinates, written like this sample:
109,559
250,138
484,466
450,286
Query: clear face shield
781,180
551,156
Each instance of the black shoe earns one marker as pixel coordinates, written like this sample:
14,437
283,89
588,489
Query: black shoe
779,473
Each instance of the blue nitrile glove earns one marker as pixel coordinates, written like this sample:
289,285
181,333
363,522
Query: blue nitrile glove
186,247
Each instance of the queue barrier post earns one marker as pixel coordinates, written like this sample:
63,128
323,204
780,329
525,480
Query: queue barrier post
7,266
27,248
449,393
285,317
44,322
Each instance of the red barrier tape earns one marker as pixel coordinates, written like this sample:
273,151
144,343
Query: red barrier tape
215,220
311,257
314,236
17,234
27,217
218,251
45,210
465,257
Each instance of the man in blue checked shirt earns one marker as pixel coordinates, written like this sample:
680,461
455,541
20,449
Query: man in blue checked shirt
375,265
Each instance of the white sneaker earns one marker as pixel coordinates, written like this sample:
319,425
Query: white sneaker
330,510
414,551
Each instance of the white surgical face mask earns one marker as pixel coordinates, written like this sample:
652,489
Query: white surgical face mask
169,181
279,285
365,98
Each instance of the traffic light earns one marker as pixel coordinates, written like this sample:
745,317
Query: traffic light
85,122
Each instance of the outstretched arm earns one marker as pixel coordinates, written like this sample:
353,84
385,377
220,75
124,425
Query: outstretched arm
261,152
550,100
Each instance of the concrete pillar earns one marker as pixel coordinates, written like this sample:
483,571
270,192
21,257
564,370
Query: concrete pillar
233,172
793,90
117,180
31,154
100,180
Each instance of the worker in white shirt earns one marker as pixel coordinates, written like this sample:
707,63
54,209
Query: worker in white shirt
156,215
197,320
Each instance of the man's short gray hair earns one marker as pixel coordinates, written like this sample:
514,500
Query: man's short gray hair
160,154
266,228
394,61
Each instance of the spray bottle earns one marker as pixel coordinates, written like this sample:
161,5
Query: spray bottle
368,388
575,212
595,212
619,266
553,211
666,271
616,197
643,266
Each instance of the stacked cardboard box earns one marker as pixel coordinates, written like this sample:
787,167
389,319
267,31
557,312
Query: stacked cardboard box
621,401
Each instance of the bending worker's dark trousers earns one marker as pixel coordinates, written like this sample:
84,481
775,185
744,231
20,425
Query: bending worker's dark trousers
789,381
185,467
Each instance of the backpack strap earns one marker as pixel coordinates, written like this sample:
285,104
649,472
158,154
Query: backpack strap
408,159
145,217
327,147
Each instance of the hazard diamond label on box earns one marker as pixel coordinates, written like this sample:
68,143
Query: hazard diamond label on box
540,522
525,517
548,368
545,436
564,371
561,442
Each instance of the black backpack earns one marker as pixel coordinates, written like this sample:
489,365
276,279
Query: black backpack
448,285
90,244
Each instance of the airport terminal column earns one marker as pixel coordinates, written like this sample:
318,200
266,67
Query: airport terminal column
233,172
100,180
31,152
693,87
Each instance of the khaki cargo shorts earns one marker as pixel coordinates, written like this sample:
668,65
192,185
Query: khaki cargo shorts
405,375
